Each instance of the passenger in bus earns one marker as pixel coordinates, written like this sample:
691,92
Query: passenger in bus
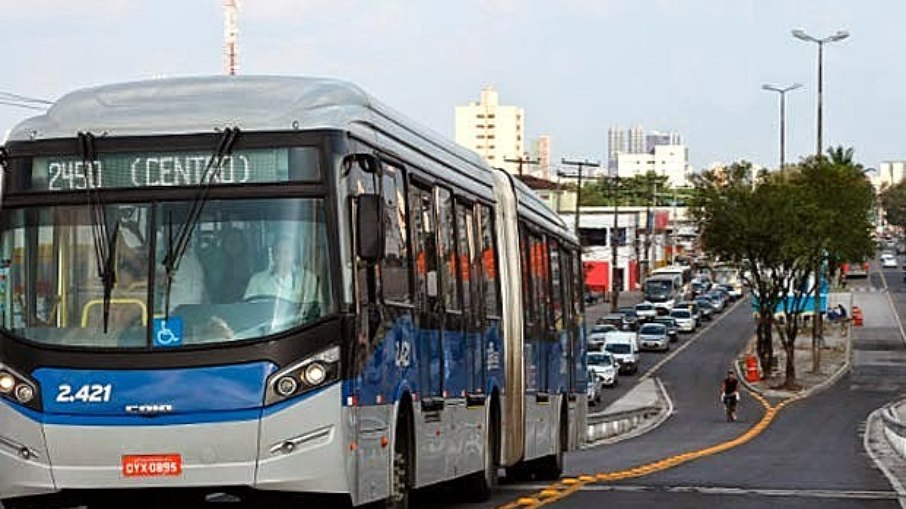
284,279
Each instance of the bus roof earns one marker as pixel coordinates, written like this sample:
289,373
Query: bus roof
189,105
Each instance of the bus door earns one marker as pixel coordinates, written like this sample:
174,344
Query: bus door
428,305
470,278
488,309
452,318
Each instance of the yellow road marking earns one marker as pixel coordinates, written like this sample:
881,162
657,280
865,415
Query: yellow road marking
569,485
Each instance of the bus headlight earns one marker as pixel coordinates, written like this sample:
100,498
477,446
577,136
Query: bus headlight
24,393
286,386
7,382
306,375
314,373
18,388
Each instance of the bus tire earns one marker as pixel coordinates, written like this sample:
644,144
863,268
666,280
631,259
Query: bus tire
401,467
479,486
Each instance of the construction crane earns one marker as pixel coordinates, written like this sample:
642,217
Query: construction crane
230,35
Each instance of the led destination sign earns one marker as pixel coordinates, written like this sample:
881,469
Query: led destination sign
160,169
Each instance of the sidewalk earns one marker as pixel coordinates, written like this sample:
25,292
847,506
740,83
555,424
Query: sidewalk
835,358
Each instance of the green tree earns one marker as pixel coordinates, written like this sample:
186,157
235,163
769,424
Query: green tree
893,200
737,223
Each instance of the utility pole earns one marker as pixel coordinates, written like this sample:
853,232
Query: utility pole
615,283
580,164
520,161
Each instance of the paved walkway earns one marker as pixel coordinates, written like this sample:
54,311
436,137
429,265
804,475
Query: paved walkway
645,394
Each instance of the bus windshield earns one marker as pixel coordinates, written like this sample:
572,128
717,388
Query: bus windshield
252,268
658,286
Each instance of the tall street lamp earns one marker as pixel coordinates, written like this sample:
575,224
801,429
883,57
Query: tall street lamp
782,91
838,36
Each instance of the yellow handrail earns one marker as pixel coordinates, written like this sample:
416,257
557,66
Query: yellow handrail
95,302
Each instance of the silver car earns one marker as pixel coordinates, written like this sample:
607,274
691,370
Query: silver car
594,388
653,336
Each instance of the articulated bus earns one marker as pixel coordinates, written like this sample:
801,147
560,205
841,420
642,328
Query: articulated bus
274,286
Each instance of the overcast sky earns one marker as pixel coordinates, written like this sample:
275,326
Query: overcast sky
577,67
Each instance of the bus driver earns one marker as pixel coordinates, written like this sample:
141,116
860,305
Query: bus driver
284,279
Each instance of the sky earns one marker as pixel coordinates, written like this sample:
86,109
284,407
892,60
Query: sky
577,67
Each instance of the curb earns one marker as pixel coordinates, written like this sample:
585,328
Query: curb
875,433
629,424
831,380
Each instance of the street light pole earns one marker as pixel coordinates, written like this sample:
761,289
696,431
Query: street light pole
782,91
838,36
580,164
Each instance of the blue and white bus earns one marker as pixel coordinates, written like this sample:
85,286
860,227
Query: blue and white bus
250,285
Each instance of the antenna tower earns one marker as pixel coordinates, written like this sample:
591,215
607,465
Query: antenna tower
230,34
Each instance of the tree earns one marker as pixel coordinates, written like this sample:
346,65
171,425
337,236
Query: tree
737,221
893,200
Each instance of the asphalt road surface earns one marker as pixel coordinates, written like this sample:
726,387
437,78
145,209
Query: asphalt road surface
810,456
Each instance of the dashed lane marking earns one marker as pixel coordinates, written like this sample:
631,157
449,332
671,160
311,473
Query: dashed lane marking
570,485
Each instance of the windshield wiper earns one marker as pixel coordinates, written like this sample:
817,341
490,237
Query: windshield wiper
104,241
176,246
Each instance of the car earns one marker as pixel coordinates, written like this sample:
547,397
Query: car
653,336
645,311
707,308
718,299
722,295
632,319
888,260
684,320
624,348
733,292
604,366
594,387
672,327
597,335
617,320
691,305
592,297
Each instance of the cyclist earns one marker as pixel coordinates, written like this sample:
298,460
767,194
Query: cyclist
729,394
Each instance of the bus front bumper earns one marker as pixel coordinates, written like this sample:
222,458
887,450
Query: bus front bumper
296,447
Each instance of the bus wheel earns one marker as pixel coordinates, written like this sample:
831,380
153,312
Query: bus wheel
479,486
401,471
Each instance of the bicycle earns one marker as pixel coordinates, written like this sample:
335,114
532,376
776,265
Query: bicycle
730,402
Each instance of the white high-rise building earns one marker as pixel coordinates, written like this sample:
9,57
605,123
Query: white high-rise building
616,144
636,141
671,161
889,174
496,132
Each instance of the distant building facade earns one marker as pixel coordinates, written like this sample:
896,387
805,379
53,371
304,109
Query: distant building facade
889,174
671,161
495,131
542,153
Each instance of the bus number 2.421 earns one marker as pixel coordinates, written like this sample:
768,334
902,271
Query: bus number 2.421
93,393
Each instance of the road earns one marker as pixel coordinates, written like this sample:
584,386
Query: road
810,456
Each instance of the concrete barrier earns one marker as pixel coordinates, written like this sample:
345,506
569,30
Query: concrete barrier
643,408
894,428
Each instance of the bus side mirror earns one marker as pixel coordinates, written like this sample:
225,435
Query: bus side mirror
369,222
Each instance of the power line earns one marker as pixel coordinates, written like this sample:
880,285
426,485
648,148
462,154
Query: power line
9,96
21,105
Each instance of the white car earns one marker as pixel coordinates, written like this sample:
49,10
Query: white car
645,311
888,260
685,321
603,365
624,348
593,388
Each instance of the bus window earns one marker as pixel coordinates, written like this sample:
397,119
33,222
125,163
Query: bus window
465,235
556,286
489,262
395,277
447,249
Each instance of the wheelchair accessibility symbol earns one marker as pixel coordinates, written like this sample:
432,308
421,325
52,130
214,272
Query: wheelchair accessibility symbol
167,333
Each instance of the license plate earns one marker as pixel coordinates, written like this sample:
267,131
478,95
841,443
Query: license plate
152,465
